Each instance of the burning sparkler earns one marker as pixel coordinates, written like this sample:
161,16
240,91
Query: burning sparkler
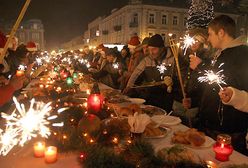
187,41
161,68
210,77
22,127
116,65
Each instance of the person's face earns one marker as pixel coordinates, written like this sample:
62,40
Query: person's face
154,52
195,46
110,58
146,50
123,53
214,38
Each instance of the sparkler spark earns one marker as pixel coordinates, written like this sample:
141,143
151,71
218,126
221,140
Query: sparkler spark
187,41
116,65
210,77
161,68
22,67
24,125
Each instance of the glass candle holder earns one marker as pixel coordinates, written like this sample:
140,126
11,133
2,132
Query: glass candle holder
39,149
223,148
51,154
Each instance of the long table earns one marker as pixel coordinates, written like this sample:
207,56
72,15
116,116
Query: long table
23,157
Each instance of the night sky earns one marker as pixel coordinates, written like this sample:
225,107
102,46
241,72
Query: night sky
62,19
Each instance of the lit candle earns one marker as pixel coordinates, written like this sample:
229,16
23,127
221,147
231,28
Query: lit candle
19,73
223,149
95,102
39,149
51,154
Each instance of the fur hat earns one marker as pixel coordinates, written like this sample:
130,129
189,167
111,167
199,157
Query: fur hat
156,41
134,41
31,46
145,41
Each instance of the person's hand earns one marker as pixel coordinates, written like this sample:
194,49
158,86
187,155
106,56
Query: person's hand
226,94
169,82
187,103
29,69
194,61
17,82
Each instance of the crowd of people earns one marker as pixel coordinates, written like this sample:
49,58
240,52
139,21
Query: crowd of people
135,71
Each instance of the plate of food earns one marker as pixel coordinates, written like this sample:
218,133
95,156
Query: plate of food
153,132
166,120
152,110
137,100
192,138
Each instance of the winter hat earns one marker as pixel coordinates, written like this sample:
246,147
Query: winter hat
145,41
31,46
134,41
156,41
3,40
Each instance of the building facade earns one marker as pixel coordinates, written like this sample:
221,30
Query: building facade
142,19
31,30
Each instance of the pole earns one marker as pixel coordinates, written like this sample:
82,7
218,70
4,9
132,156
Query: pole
175,48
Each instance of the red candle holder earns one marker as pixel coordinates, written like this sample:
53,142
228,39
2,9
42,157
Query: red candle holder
95,102
223,148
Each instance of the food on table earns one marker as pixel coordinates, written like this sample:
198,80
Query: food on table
189,137
176,154
152,131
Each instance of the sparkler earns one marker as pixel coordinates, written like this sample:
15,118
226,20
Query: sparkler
210,77
161,68
24,125
187,41
116,65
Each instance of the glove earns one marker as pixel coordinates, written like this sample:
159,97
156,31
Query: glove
169,83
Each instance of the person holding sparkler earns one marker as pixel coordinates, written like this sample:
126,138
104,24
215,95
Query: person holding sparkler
216,117
111,71
188,109
152,69
234,97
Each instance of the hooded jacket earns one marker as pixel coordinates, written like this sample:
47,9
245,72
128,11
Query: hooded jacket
214,114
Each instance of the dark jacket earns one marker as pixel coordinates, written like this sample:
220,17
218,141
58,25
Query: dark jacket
213,114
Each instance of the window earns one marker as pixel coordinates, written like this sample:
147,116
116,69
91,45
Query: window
185,21
35,26
97,33
163,36
35,36
164,19
151,18
174,21
135,18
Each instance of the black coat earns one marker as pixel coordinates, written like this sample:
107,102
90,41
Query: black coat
213,114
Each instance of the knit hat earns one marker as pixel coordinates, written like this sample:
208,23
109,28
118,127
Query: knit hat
134,41
3,40
156,41
145,41
31,46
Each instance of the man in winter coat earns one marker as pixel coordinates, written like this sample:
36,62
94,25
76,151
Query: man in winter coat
215,116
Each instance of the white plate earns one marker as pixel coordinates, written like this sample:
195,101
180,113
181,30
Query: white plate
166,120
137,100
207,144
165,131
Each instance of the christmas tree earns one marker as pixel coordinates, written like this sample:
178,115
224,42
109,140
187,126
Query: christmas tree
201,13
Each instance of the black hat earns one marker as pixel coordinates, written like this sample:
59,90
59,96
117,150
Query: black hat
156,41
145,41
